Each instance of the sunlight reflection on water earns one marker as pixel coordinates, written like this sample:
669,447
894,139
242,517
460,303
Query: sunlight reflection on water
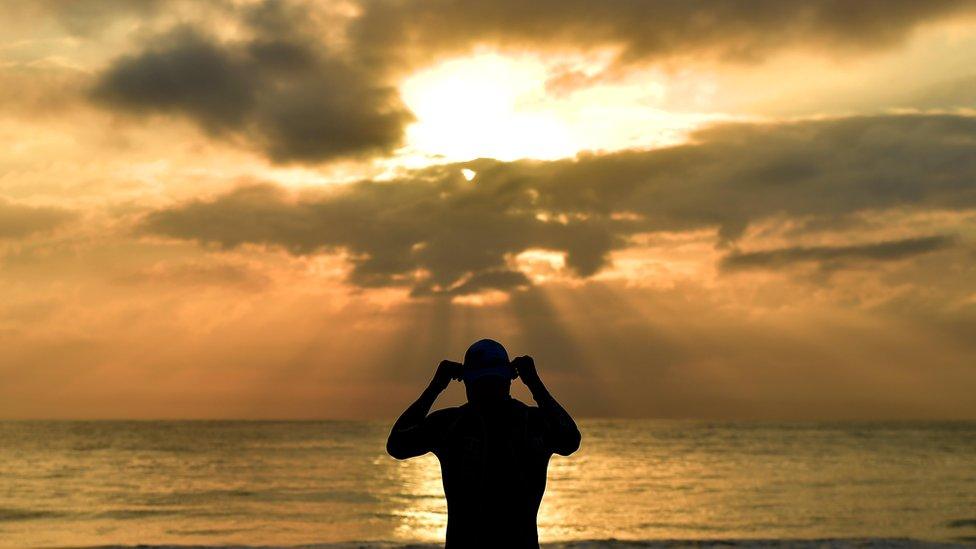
424,517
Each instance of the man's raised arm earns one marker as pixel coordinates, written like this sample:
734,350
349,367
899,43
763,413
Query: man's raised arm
409,436
562,434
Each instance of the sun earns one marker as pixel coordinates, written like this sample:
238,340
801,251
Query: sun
500,106
485,106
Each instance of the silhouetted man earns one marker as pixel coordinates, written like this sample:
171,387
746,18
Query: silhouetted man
494,450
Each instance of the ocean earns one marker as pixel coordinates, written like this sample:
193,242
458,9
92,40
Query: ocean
219,483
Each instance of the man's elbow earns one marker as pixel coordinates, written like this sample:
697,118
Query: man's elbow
396,450
570,445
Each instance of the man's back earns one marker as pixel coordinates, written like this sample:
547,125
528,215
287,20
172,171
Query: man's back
494,452
493,463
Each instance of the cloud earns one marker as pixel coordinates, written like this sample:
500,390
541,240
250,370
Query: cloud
18,221
308,82
832,257
726,30
436,232
285,95
501,279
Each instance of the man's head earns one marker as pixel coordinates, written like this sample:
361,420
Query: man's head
487,372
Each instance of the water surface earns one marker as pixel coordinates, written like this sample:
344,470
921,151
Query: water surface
287,483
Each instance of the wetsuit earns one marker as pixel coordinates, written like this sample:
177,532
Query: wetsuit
493,463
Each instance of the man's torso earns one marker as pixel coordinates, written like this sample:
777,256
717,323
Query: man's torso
493,463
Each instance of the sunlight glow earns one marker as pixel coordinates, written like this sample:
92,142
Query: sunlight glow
483,107
481,299
540,265
505,107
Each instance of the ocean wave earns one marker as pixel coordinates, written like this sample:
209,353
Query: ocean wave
9,515
127,514
272,495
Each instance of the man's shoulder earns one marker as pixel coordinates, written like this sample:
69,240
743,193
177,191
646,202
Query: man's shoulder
445,414
441,424
454,412
519,405
532,414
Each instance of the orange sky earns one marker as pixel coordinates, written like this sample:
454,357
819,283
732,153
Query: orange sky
296,209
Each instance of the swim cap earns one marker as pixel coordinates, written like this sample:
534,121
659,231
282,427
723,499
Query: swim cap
486,357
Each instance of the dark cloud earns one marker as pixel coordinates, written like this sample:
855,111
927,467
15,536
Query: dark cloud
284,95
500,279
17,221
434,230
438,222
190,75
728,30
832,257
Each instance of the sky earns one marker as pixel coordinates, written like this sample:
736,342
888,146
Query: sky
715,210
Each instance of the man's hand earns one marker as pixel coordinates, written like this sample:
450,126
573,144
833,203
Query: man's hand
446,371
525,367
